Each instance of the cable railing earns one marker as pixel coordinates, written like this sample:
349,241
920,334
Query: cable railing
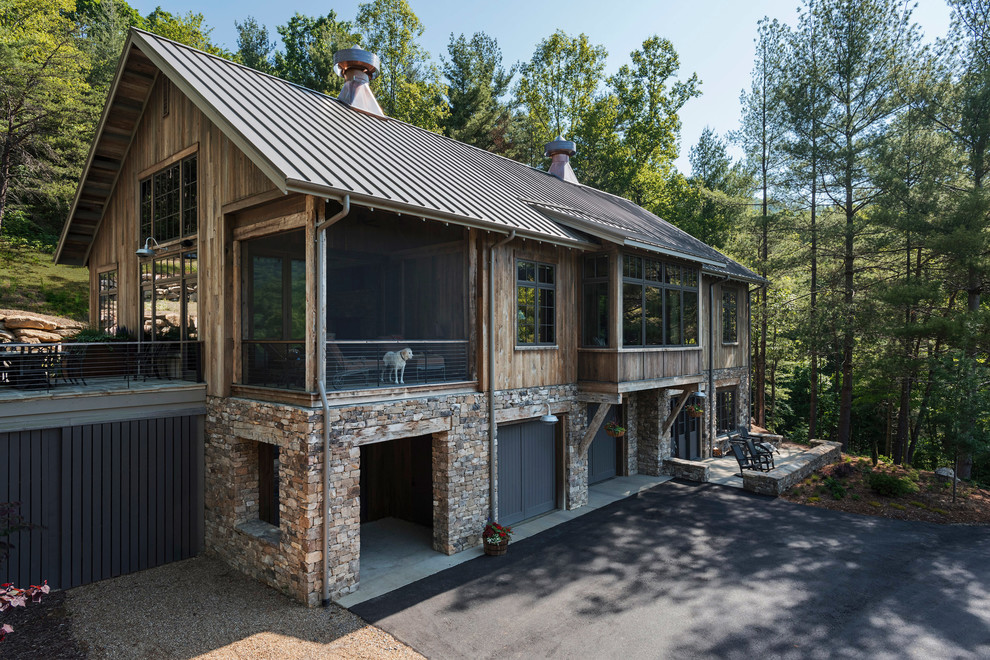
366,364
70,364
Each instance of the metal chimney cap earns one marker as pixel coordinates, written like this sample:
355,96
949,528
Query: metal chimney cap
560,145
356,58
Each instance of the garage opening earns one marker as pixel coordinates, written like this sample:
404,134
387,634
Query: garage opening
528,471
396,502
605,452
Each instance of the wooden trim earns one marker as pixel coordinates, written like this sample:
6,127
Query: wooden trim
256,199
596,423
273,395
677,409
272,226
171,160
386,432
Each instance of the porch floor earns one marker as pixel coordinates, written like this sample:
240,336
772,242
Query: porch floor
93,387
725,470
395,553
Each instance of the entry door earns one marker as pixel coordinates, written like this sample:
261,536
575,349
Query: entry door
527,474
685,438
602,453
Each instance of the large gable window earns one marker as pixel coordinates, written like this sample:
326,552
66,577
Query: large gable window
535,304
168,202
659,303
595,304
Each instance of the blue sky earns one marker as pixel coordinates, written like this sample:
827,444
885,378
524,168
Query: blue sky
714,38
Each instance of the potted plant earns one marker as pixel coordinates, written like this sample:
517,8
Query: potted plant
614,430
695,409
496,538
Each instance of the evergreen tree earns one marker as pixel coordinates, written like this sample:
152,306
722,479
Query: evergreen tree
254,48
476,85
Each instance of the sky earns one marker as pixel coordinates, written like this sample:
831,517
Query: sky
714,38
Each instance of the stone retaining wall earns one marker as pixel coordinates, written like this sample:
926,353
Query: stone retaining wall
779,479
685,469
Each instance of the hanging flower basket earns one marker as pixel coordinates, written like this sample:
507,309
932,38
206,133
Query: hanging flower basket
695,411
614,430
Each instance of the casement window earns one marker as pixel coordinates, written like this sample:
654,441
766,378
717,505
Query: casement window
170,297
659,303
730,316
107,301
594,326
168,202
725,411
535,304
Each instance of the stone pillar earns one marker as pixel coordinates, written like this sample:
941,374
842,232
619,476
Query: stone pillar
344,538
576,464
652,449
630,413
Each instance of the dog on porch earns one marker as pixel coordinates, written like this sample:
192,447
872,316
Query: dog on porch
396,361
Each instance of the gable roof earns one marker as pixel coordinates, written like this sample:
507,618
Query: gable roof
308,142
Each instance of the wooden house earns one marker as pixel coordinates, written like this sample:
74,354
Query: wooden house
288,248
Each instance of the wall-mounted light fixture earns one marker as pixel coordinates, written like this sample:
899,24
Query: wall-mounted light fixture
549,418
147,250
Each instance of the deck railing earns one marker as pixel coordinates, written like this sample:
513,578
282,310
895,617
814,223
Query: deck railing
61,365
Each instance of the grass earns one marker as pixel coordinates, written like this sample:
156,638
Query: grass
29,281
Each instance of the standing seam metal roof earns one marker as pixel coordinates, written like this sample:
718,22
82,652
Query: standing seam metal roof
295,135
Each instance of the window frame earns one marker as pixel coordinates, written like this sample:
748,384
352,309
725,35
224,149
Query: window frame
725,405
595,281
640,277
732,292
537,286
108,297
187,280
186,199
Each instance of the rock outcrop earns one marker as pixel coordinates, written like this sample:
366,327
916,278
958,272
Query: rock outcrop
18,327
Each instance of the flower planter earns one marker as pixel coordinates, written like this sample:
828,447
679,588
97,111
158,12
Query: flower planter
496,549
695,413
615,434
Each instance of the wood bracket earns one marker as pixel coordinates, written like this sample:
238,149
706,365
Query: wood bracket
685,394
596,423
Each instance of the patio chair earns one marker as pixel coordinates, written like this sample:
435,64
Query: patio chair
744,460
350,371
70,364
759,453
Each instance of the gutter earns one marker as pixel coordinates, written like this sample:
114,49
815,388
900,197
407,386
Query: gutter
321,377
492,438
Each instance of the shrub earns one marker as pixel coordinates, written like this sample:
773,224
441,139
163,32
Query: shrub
875,504
855,497
917,504
843,470
837,490
91,335
814,499
890,485
899,507
941,512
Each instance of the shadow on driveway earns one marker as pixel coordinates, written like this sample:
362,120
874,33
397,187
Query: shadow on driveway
689,570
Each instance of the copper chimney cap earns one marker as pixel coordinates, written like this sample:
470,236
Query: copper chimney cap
358,68
561,150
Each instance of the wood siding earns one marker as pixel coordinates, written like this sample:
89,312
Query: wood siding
225,175
733,354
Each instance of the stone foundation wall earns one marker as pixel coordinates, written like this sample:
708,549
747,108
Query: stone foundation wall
742,408
652,448
684,469
779,479
630,413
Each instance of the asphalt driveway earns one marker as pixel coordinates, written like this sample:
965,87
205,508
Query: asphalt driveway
688,570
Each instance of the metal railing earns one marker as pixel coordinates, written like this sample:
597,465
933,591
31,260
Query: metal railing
278,364
357,364
51,366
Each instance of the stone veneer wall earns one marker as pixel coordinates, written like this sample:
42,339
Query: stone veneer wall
652,407
742,407
289,558
630,412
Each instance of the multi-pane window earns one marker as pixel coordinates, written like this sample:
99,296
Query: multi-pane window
725,411
535,303
730,316
169,298
595,307
168,202
107,303
659,303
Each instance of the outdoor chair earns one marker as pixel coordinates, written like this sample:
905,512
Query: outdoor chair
744,460
761,454
69,368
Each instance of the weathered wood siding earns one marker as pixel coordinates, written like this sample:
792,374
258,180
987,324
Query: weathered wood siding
727,355
225,175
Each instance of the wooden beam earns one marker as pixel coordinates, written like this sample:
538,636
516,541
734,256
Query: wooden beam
596,423
252,200
677,409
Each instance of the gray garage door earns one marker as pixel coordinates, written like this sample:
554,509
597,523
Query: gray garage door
527,484
602,453
109,499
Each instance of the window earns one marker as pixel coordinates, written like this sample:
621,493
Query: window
535,307
268,483
659,303
107,303
595,308
169,297
168,202
730,316
725,411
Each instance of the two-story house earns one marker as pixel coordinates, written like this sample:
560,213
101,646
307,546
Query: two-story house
385,322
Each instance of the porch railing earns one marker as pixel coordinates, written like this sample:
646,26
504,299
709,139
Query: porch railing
357,364
51,366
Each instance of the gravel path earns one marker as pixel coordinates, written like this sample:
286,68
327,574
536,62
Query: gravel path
201,608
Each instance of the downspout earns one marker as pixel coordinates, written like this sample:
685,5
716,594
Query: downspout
749,353
711,358
492,441
321,379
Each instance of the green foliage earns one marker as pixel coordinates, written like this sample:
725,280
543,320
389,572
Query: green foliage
189,29
30,281
890,485
836,489
308,46
476,84
254,48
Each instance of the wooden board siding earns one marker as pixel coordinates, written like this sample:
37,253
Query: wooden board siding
518,367
225,175
625,366
727,355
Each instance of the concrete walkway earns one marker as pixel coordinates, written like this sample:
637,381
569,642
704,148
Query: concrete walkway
395,553
725,470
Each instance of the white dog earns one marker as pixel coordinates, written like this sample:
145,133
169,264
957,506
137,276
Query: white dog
396,361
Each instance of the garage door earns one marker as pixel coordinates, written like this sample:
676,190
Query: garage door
109,499
602,453
527,484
